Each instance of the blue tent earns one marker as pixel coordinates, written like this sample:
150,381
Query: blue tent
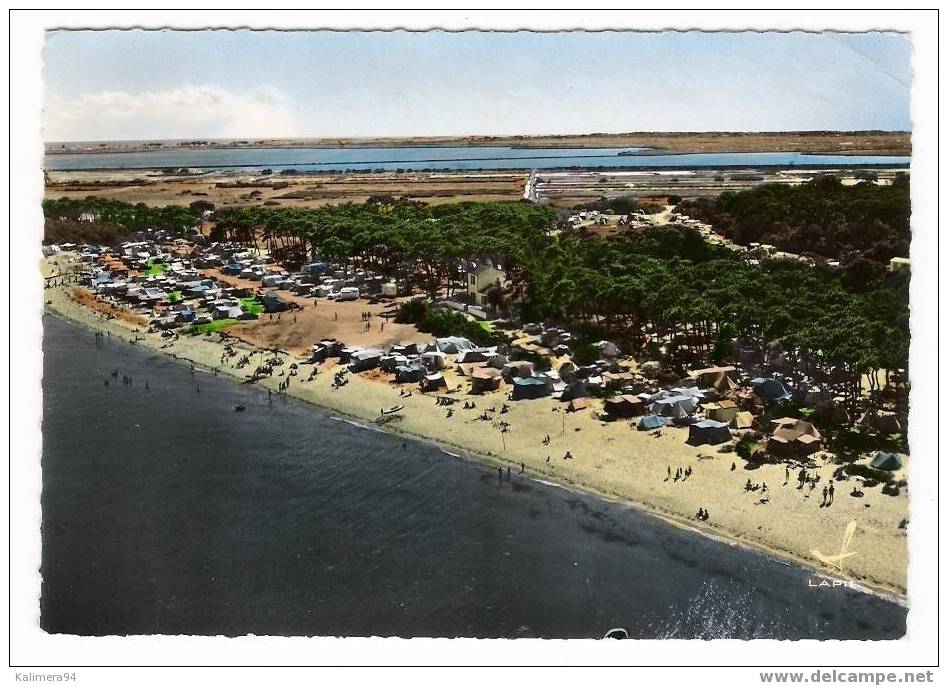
770,389
410,373
708,431
453,344
886,461
651,421
531,387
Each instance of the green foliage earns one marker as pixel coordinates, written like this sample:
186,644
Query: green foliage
625,204
745,447
211,327
155,268
411,312
174,296
251,305
868,473
666,280
440,322
584,354
723,345
130,217
540,363
822,217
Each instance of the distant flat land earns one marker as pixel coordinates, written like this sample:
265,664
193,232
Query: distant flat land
830,142
309,190
562,188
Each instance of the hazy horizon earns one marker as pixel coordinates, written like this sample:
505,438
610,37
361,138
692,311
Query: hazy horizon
468,135
131,85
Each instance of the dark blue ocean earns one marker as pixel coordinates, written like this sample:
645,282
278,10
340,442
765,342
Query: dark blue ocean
446,158
167,512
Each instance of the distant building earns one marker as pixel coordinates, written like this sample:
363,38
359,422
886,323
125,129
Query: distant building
897,264
481,279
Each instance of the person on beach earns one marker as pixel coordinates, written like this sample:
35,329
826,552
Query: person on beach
786,474
825,493
733,466
831,491
669,472
764,488
522,467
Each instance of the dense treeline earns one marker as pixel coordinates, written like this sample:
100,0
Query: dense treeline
665,292
441,322
56,230
821,217
72,219
437,240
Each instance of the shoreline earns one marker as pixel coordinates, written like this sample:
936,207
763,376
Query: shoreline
325,168
201,351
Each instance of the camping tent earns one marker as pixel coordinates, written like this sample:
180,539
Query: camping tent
711,376
886,461
272,302
452,344
708,431
673,406
742,420
433,360
365,359
649,422
577,388
723,383
476,355
521,368
883,422
433,382
410,373
722,411
531,387
485,379
624,406
577,404
769,389
391,362
793,437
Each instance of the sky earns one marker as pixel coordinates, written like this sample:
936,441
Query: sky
132,85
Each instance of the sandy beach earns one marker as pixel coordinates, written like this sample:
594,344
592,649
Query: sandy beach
613,460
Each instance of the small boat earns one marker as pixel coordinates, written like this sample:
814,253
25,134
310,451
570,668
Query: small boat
397,408
618,633
239,408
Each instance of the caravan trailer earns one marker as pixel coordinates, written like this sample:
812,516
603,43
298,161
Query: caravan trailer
348,293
